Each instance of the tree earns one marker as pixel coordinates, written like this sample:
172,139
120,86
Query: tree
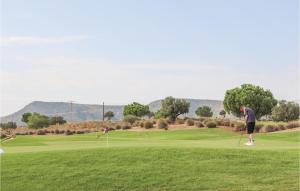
37,120
285,111
255,97
109,115
25,117
8,125
223,113
136,109
57,120
172,108
204,111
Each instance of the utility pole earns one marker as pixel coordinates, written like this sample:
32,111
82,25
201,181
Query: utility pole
103,111
71,111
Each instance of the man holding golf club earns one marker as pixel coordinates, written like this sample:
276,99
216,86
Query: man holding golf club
250,123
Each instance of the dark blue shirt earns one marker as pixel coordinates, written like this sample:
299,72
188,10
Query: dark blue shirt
251,115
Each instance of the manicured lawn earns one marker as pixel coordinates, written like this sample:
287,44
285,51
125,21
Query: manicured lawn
198,159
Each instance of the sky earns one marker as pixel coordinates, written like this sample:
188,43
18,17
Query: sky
120,51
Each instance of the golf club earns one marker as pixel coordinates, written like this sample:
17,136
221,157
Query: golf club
241,129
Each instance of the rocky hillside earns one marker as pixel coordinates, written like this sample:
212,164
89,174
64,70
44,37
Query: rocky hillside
88,112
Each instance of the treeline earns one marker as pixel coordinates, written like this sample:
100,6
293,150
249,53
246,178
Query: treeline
36,120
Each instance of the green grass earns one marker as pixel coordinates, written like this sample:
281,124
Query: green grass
198,159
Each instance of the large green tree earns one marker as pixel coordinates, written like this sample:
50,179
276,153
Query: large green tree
37,120
255,97
136,109
25,117
172,107
204,111
285,111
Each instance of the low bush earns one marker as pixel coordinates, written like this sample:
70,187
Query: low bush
142,124
79,132
20,133
68,132
41,132
61,131
56,131
293,124
258,126
148,124
211,124
267,128
239,126
126,126
179,121
162,124
118,127
154,122
199,124
131,119
190,122
3,136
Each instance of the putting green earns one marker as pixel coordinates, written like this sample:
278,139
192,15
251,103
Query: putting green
194,159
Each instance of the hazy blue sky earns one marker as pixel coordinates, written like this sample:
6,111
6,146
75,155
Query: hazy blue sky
123,51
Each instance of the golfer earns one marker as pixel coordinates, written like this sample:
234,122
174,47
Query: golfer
250,123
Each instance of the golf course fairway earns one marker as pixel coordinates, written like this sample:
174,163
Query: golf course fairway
191,159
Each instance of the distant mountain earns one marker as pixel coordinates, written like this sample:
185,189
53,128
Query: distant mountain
88,112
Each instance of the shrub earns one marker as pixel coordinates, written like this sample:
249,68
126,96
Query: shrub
126,126
162,124
148,124
154,122
61,131
79,132
3,136
179,121
56,131
190,122
131,119
142,124
68,132
267,128
258,126
211,124
41,132
239,126
293,124
199,124
282,126
118,127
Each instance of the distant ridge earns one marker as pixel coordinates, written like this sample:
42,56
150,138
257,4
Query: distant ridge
88,112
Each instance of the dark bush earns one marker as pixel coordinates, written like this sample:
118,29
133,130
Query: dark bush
118,127
162,124
68,132
211,124
199,124
56,131
142,124
61,131
79,132
41,132
154,122
3,136
148,124
126,126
